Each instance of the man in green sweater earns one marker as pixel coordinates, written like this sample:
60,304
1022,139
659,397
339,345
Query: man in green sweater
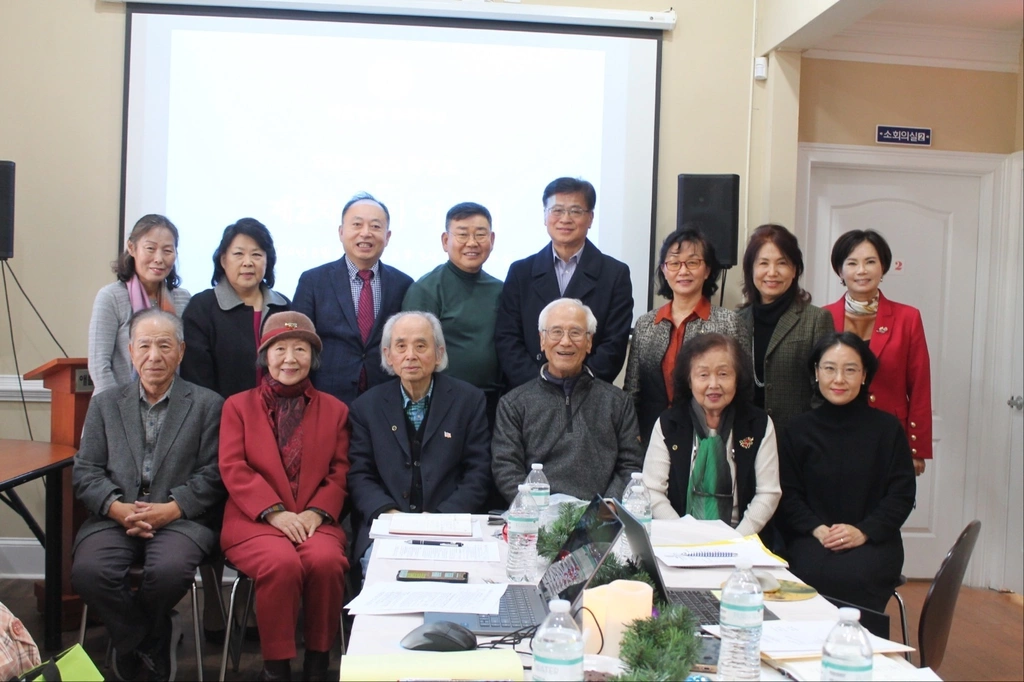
465,299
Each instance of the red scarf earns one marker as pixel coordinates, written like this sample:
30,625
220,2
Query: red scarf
285,407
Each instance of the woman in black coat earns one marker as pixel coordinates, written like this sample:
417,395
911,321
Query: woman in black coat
847,482
222,324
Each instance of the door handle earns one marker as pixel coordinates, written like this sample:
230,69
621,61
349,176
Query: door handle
1017,402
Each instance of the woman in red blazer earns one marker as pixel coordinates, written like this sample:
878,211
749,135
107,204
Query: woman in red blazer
284,461
902,385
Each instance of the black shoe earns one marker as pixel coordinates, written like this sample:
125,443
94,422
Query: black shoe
315,665
276,671
159,653
214,636
126,665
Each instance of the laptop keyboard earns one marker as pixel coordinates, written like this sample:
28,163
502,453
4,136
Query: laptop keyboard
514,612
704,605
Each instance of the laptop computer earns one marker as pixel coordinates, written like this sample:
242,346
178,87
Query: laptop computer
524,606
701,601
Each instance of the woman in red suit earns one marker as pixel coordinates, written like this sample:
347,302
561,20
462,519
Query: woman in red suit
284,460
902,385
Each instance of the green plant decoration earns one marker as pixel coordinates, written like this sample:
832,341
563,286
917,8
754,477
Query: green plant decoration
663,647
660,648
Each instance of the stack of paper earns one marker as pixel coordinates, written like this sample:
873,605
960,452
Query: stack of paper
448,551
481,664
390,598
381,528
883,668
796,639
449,525
722,553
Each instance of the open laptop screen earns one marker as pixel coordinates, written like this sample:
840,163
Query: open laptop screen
582,553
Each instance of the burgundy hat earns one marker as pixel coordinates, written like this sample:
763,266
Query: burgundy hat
289,325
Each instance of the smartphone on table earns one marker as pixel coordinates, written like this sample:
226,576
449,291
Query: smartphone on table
407,576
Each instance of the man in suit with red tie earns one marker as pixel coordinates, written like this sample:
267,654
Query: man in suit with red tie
349,300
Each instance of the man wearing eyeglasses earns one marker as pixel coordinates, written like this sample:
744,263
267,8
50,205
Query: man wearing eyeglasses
465,299
573,267
582,429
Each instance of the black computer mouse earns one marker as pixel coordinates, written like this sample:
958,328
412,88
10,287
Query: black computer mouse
441,636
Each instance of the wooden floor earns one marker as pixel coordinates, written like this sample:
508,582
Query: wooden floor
986,642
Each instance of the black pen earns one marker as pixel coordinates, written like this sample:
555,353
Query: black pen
433,543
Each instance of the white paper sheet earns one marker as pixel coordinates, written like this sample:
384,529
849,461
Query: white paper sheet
391,598
381,527
883,668
448,525
468,551
718,554
786,639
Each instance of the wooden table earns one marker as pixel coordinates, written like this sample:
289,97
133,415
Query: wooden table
22,461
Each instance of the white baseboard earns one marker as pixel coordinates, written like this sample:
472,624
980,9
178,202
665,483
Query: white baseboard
21,559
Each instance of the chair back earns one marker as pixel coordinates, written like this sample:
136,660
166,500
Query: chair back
940,602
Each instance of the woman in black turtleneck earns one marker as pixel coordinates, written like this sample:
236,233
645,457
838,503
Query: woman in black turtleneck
847,482
785,325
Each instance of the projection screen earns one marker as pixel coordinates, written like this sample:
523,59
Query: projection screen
283,117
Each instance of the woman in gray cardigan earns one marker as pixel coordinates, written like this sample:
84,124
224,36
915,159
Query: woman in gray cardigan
146,277
687,275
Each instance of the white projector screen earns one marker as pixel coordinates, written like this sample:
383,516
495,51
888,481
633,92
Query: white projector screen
284,119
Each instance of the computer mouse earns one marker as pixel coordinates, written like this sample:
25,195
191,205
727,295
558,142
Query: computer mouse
440,636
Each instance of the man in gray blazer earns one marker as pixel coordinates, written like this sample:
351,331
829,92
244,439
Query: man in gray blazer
147,473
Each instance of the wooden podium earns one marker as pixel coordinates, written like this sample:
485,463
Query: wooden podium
70,392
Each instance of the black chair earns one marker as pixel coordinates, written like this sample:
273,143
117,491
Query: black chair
940,602
904,628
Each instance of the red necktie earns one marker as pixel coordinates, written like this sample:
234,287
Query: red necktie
365,317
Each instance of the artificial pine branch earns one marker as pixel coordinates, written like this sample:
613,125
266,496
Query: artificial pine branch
661,648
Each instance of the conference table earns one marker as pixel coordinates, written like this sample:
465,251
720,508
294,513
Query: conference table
381,635
22,461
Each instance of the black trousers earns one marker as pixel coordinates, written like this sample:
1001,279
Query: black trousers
99,574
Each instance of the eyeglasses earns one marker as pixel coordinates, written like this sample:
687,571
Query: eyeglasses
575,334
691,264
575,212
463,238
829,371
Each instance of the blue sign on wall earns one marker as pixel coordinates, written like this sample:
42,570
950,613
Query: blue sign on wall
903,135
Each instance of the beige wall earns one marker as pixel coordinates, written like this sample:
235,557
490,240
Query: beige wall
60,121
972,111
1018,142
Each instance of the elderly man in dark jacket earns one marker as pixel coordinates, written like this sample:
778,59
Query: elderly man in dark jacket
147,473
419,443
582,429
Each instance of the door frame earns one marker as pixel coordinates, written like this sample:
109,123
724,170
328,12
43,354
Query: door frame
986,473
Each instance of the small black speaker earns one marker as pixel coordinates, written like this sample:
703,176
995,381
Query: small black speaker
714,202
6,210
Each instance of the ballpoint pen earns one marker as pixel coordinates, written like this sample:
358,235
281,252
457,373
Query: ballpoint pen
434,543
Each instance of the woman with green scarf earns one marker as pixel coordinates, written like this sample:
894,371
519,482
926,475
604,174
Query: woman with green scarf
713,453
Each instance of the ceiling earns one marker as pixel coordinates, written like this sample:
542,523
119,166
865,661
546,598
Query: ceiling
991,15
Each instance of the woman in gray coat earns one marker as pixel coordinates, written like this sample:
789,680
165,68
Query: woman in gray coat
784,324
687,275
146,278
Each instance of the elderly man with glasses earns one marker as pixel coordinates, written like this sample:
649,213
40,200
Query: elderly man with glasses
581,428
573,267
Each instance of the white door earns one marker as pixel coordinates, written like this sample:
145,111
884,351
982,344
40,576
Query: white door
1013,568
931,221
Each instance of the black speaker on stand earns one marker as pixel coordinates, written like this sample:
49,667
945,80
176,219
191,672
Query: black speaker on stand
714,202
6,210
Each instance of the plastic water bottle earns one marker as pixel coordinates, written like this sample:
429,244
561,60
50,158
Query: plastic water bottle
558,645
847,652
523,519
741,617
637,499
539,487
